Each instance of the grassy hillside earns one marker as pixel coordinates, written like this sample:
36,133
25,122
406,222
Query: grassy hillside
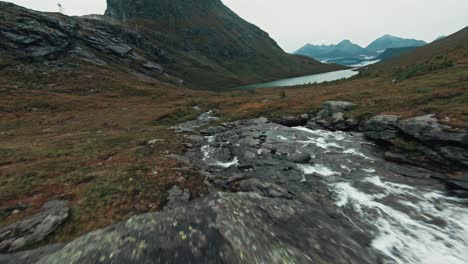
451,51
394,52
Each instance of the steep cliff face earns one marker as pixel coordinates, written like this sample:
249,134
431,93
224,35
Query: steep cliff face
217,46
32,41
204,25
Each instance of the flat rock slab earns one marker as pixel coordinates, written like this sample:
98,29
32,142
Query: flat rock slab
34,229
225,228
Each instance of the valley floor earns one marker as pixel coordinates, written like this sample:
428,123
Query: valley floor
104,141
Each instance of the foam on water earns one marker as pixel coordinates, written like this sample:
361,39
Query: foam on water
403,237
409,224
229,164
315,169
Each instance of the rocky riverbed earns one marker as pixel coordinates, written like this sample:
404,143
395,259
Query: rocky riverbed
292,194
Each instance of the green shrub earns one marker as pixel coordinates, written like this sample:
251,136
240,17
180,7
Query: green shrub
283,94
437,63
4,62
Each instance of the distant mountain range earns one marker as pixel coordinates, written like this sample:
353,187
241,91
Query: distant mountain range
350,54
343,49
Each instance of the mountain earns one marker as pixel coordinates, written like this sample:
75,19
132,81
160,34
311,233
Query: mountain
439,38
439,55
344,53
216,47
198,44
388,41
394,52
343,49
350,54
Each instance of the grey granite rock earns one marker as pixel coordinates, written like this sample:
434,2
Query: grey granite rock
32,230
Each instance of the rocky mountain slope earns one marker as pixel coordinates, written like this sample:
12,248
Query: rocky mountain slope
201,44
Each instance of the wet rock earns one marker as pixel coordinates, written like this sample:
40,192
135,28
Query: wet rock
223,228
457,185
34,229
456,154
382,128
214,130
264,188
299,157
29,256
332,116
459,193
177,197
421,140
428,129
292,121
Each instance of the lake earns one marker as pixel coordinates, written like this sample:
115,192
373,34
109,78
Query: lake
315,78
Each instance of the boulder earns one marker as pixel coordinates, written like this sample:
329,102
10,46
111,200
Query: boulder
34,229
299,157
428,129
292,121
331,116
457,185
382,127
330,108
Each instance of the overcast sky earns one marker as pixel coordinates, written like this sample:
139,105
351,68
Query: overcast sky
293,23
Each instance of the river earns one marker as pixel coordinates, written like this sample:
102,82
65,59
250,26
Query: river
408,220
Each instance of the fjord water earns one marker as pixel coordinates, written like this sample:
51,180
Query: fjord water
307,79
409,220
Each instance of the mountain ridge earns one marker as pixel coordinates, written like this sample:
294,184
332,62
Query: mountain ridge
191,53
351,54
209,35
